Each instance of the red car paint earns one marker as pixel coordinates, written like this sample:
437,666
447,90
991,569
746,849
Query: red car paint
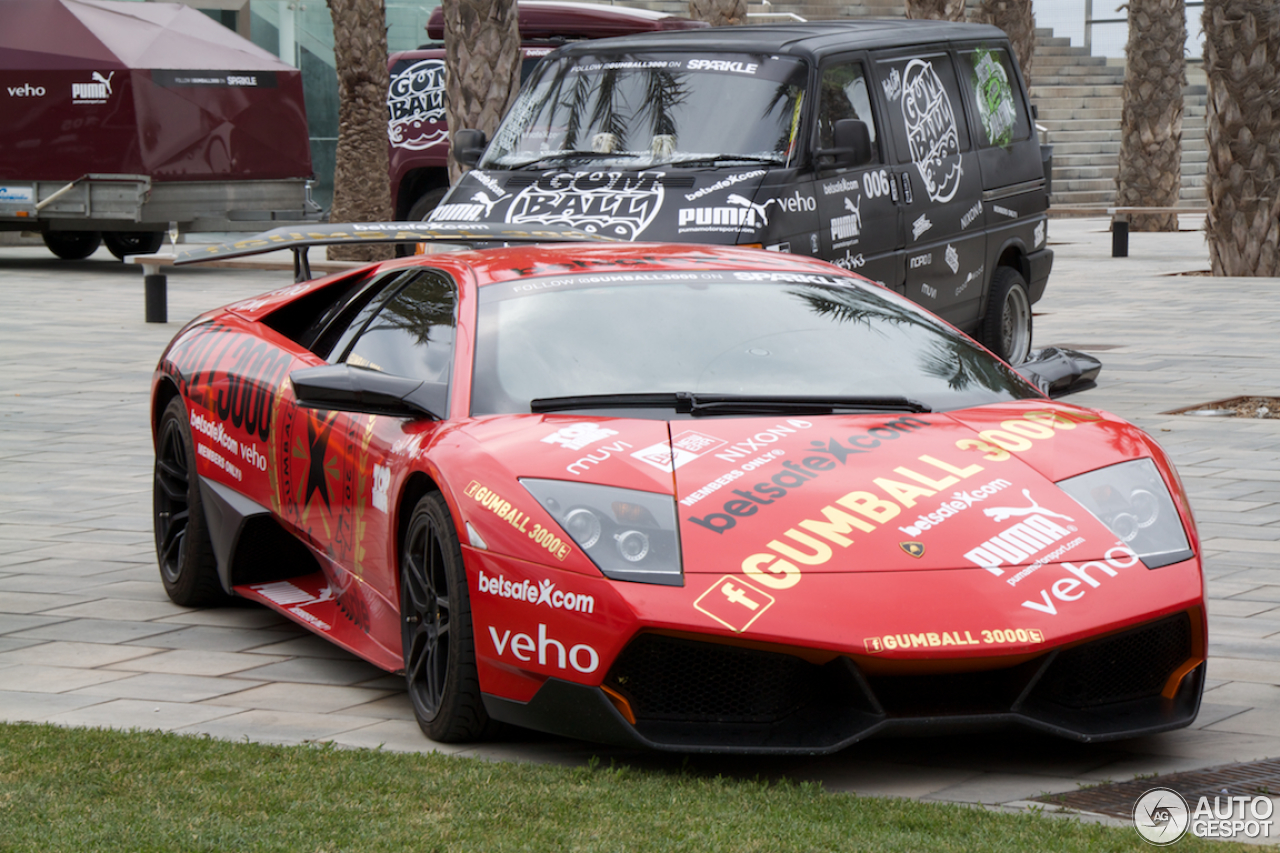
877,539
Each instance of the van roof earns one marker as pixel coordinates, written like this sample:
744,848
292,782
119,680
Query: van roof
813,38
552,19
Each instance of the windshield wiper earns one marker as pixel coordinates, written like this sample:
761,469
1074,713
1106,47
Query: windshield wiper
710,405
722,159
563,156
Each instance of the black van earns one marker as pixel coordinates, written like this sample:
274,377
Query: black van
902,150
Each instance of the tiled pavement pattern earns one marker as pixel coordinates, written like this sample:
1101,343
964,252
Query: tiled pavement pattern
87,636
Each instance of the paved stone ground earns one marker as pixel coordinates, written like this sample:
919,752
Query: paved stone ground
88,638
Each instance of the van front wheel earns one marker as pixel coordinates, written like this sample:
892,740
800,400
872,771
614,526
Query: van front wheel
1006,329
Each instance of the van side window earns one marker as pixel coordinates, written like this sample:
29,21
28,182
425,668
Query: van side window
844,95
1002,116
924,107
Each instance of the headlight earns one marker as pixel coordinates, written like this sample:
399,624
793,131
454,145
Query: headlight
1131,500
629,535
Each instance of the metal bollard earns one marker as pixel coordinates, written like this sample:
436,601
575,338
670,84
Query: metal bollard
1120,238
157,298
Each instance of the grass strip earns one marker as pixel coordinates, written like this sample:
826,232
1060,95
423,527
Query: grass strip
93,789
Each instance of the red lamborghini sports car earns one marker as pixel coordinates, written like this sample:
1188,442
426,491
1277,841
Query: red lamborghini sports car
682,497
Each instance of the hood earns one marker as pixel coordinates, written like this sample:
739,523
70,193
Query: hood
706,206
890,493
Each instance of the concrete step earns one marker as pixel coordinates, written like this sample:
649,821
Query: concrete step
1082,60
1085,102
1081,173
1052,41
1073,136
1092,185
1040,91
1067,125
1082,198
1062,47
1075,80
1112,115
1079,160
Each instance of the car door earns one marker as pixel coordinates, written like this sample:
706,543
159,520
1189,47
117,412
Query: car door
859,206
342,470
939,179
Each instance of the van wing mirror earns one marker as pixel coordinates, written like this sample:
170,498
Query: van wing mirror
852,140
344,388
468,146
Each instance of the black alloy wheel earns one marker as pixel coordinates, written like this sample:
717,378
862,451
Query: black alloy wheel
435,611
121,243
188,568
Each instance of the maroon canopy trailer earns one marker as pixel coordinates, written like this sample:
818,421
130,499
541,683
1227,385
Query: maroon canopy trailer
120,118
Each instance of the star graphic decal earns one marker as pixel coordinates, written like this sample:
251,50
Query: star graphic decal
317,474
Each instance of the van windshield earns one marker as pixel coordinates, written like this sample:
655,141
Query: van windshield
633,111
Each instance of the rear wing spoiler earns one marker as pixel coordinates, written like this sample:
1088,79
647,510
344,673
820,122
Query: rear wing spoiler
299,240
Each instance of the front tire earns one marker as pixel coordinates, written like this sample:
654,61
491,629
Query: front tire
121,243
435,624
184,551
72,245
1006,329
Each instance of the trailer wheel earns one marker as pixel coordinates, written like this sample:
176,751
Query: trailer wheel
426,203
123,243
73,245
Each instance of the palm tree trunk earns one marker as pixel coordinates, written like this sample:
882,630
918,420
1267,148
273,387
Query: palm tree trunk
936,10
1150,173
1018,22
1242,62
719,13
482,61
361,189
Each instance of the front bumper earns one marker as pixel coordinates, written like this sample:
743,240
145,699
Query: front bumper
678,694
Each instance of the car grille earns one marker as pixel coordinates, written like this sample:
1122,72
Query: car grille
667,678
1131,665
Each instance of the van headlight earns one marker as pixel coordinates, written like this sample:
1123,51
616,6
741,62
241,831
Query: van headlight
1132,501
629,535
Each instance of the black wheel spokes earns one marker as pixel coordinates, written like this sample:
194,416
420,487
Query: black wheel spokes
172,506
427,618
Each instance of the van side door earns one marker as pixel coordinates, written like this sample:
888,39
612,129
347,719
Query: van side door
939,180
859,206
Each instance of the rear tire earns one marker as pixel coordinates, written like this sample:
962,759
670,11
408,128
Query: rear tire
435,624
1006,329
184,551
72,245
426,203
419,212
121,243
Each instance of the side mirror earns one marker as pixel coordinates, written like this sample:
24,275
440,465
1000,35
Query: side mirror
1058,372
343,388
468,146
852,140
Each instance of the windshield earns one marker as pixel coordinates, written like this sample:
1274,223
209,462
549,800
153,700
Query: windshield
741,334
633,111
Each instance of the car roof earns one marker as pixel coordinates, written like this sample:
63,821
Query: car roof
810,39
497,265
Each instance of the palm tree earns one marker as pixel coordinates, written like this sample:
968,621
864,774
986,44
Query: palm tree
937,10
719,13
482,62
1242,43
1150,172
361,191
1019,24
